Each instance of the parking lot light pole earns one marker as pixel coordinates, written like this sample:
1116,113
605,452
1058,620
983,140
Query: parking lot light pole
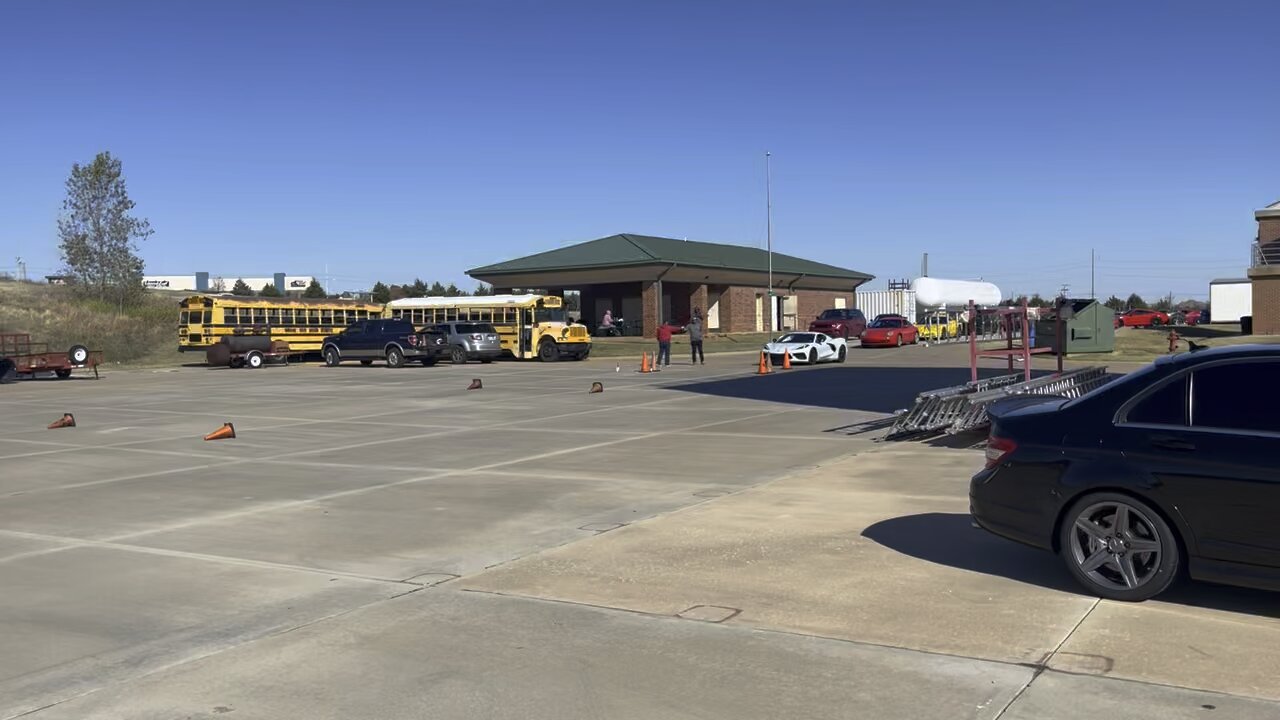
768,215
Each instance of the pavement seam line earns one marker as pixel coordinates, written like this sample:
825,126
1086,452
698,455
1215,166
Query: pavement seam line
1040,667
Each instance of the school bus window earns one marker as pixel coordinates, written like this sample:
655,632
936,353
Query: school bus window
259,316
182,317
208,317
273,316
313,317
326,317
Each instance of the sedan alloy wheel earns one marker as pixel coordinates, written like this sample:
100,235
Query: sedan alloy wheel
1119,547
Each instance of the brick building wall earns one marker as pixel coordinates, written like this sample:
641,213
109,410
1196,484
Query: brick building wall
810,303
1266,281
1266,300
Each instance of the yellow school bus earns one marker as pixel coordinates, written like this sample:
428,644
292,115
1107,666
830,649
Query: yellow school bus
530,326
303,323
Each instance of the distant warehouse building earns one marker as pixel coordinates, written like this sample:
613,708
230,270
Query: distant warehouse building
649,280
203,282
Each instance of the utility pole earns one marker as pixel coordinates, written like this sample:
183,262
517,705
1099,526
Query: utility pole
1092,294
768,233
924,265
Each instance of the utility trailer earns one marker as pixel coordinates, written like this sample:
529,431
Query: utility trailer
251,351
19,356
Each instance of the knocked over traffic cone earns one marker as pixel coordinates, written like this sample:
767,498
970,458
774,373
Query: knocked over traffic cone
764,364
596,387
475,384
226,432
67,420
786,361
644,362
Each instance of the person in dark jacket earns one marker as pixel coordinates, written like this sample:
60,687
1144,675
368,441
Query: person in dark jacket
694,329
664,345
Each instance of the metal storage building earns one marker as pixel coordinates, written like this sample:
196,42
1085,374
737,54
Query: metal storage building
1230,299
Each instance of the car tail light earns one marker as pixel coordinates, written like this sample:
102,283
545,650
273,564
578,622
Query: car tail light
998,449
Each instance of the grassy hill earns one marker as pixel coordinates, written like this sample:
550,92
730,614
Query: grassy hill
144,335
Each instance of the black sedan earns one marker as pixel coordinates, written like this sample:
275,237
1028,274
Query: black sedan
1173,469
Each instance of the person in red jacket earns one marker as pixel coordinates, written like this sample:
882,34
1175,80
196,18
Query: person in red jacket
664,345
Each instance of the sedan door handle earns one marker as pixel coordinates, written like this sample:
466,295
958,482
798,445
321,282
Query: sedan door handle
1171,443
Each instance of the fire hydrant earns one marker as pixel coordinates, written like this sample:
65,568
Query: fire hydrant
1173,340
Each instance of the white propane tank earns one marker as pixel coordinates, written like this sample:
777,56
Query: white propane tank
938,292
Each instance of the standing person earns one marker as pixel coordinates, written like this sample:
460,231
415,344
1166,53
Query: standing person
694,328
664,345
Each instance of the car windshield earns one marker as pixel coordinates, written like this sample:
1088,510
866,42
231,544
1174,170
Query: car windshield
831,315
542,315
887,323
796,338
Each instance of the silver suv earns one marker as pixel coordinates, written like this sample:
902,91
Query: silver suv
470,341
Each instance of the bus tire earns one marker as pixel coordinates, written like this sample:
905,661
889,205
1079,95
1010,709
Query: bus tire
547,351
395,357
254,359
331,356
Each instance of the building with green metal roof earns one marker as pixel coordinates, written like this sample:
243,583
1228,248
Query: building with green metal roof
649,280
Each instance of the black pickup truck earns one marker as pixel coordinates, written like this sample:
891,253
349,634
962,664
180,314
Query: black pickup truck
396,341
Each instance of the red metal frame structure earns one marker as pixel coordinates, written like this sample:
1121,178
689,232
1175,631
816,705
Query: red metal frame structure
30,358
1010,319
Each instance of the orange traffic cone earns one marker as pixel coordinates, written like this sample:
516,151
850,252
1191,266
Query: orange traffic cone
226,432
786,361
596,387
764,364
644,362
475,384
67,420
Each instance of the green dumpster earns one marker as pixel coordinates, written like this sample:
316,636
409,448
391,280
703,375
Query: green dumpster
1087,326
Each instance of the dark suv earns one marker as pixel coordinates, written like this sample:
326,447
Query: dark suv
391,339
840,322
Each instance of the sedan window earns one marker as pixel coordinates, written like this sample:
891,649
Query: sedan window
1167,405
1237,396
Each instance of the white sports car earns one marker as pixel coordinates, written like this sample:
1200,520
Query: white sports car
807,347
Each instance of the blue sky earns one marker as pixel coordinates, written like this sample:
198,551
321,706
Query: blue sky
394,140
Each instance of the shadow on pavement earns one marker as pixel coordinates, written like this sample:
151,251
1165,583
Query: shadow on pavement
949,539
868,389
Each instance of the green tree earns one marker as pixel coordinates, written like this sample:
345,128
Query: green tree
381,293
1114,303
436,289
241,288
482,290
314,290
452,291
269,290
1037,302
1164,304
1135,301
417,289
97,232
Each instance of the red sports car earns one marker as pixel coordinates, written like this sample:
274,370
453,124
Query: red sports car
1141,317
889,331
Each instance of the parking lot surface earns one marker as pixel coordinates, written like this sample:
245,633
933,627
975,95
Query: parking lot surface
699,542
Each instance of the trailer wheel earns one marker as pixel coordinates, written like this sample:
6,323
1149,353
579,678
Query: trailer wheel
63,374
237,362
254,359
78,354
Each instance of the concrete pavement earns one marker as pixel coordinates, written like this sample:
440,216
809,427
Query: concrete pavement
385,544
